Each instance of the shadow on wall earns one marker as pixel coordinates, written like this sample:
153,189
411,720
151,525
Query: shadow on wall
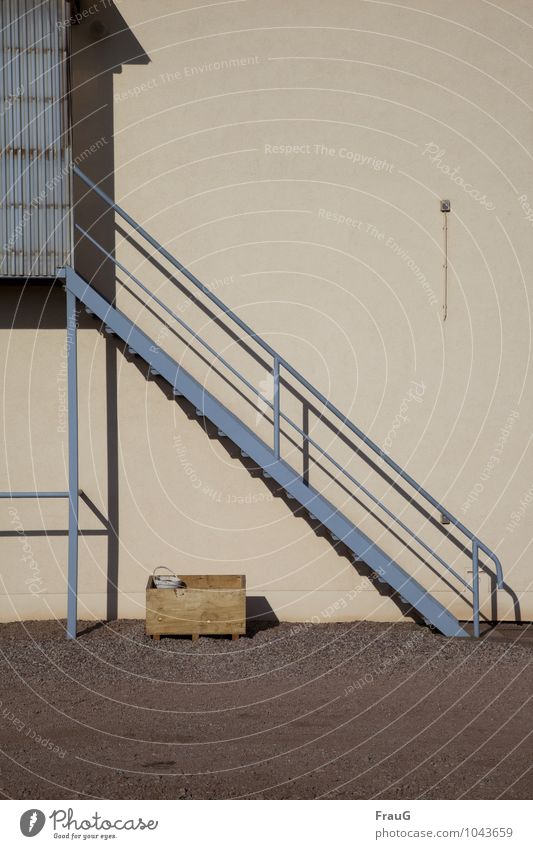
100,45
259,615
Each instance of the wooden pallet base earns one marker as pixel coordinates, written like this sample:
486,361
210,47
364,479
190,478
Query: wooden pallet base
193,636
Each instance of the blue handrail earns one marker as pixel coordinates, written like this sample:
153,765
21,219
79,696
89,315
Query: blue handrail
280,362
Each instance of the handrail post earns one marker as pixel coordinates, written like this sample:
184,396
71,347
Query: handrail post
475,586
276,408
305,445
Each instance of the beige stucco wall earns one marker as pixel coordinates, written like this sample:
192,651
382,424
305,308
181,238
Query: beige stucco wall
293,155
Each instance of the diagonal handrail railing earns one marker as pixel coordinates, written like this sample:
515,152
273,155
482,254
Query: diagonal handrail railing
279,363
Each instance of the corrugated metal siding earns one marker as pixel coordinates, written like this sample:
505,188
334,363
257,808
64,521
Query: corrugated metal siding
35,234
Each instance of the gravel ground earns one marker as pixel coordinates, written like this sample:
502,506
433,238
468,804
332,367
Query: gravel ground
356,710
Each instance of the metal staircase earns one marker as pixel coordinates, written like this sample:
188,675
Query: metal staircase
269,456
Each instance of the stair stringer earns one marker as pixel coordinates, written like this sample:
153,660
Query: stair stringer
318,506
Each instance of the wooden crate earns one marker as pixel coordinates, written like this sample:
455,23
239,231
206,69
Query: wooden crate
209,604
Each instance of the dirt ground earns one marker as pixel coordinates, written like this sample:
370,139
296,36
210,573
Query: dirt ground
358,710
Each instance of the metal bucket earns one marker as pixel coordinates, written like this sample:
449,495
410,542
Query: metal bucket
169,581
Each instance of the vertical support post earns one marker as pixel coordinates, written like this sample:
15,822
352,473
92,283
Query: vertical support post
305,446
276,408
72,382
475,586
